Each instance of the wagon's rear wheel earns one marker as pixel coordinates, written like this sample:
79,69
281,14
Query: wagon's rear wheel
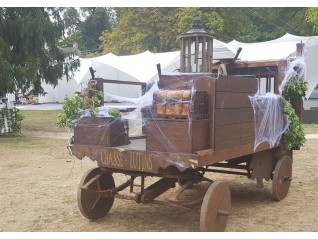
215,208
91,204
282,178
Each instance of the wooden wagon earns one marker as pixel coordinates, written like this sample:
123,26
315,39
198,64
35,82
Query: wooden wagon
199,122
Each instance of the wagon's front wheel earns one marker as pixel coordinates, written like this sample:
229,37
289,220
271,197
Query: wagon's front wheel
91,204
282,178
215,208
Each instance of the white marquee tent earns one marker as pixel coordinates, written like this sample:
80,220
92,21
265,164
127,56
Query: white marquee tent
138,68
283,48
142,67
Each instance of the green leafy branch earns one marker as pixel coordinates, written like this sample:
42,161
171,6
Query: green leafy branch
70,114
115,113
295,87
88,99
294,137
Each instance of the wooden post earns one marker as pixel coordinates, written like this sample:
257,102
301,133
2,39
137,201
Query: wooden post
300,49
299,107
182,54
281,66
100,87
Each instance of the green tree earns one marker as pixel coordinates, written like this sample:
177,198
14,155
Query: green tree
157,29
84,27
28,49
312,18
211,20
140,29
275,22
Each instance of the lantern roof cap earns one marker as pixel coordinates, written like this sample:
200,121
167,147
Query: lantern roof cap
196,28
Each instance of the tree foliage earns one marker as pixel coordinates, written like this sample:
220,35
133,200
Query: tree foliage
312,18
140,29
275,22
30,37
29,51
157,29
84,27
211,20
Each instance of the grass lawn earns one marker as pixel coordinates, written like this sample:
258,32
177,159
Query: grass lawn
310,128
44,120
41,120
39,181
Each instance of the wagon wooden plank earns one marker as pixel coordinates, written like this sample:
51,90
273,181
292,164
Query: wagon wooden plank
208,157
177,136
169,144
233,116
134,160
226,100
167,128
237,84
234,131
232,143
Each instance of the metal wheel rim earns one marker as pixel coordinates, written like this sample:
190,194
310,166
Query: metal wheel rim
215,208
91,205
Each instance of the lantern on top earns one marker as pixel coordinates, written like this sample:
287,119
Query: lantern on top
196,47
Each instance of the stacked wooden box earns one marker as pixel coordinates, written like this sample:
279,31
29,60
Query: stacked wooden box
180,121
101,131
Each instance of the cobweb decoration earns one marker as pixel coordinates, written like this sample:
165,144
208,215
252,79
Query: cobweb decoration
294,68
135,116
269,121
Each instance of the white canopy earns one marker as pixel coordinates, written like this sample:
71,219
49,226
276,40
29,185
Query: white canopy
139,68
282,48
142,67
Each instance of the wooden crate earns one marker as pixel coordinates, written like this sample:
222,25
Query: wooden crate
181,104
178,136
101,131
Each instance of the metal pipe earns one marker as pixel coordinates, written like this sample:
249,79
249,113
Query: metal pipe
237,54
225,171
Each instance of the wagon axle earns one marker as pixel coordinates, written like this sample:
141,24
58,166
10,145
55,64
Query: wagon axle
97,191
223,213
288,178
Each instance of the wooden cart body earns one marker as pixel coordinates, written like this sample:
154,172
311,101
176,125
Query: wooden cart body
182,148
228,131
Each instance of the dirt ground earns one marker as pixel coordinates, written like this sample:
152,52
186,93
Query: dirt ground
39,180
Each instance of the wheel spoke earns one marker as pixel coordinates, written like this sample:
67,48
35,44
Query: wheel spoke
94,203
91,204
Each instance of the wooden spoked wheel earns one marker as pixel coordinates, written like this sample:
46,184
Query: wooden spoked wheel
215,208
282,178
91,204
